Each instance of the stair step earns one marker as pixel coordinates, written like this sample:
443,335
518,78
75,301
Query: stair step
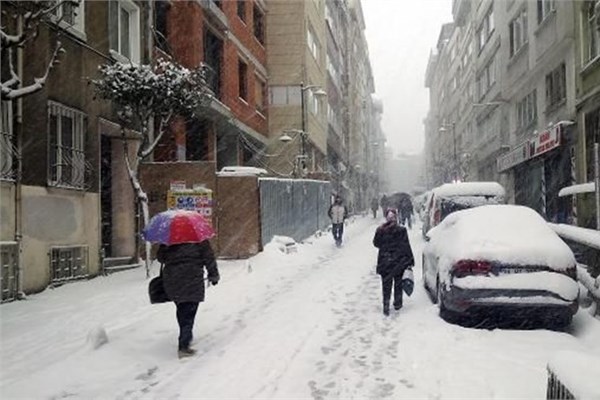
123,267
116,261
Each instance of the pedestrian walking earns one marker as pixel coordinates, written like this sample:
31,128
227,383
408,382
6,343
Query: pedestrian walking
384,203
184,253
395,256
183,279
374,206
406,211
338,214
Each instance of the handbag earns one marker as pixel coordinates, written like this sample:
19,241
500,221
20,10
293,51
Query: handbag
156,289
408,282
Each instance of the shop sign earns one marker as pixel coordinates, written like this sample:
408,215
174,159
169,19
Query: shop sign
545,141
514,157
198,199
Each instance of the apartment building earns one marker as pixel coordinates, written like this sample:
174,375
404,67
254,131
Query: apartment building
52,209
503,79
229,38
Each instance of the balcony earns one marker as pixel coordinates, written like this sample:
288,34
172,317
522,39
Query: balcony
460,11
213,11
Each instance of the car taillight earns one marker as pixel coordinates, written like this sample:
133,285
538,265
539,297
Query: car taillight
571,272
471,267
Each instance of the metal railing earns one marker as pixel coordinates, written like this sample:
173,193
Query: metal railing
555,389
9,270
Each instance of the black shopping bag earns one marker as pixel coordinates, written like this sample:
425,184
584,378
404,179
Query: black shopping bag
156,290
408,282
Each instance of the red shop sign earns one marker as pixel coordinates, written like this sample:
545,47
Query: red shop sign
545,141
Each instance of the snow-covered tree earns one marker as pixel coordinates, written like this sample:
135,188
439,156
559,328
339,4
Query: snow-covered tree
20,26
148,97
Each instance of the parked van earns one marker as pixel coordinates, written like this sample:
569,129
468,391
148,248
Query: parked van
451,197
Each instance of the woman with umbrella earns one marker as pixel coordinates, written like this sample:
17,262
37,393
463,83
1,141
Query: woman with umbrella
185,252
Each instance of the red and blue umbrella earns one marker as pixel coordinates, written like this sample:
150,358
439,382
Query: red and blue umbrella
178,226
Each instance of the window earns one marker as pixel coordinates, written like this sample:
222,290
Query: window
260,94
486,29
68,262
527,111
241,9
8,151
487,78
161,9
124,30
313,44
591,30
518,32
213,55
243,80
66,137
285,96
556,87
70,14
259,24
314,104
544,8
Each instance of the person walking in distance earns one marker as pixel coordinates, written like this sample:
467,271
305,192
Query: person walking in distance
374,206
395,255
183,279
338,213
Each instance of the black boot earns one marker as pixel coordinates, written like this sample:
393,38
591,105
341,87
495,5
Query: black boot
386,309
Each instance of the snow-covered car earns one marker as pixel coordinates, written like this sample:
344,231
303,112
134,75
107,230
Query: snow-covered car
502,257
451,197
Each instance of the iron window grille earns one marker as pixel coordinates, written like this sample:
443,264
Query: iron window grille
9,270
66,133
9,153
68,263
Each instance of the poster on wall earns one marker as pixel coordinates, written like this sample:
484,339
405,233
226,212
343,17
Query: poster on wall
198,199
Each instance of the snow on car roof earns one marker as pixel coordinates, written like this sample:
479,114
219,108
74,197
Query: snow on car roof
470,189
506,233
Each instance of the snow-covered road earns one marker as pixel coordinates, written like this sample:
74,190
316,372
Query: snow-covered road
300,325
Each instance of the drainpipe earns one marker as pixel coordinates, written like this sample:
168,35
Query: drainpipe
19,167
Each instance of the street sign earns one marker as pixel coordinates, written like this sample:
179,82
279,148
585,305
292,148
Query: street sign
514,157
545,141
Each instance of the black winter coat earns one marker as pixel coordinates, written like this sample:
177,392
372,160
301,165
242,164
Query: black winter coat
183,275
395,254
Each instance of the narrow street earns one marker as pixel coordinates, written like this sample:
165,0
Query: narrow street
300,325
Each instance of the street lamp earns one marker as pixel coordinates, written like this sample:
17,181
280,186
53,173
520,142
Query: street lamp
285,138
443,129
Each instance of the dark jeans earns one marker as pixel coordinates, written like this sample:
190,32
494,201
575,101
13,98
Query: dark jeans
186,313
337,230
387,281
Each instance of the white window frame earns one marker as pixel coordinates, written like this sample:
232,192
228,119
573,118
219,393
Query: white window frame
61,157
518,32
134,33
76,28
487,77
544,9
313,43
486,29
592,48
527,110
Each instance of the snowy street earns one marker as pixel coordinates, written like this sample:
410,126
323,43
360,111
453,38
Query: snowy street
299,325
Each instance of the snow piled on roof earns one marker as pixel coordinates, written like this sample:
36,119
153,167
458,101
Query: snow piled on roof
589,237
506,233
470,189
242,171
589,187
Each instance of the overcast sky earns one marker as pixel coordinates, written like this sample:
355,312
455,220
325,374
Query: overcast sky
400,35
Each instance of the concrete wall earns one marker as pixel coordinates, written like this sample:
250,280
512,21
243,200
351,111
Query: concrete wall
54,217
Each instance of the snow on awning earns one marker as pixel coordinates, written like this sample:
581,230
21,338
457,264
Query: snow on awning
589,187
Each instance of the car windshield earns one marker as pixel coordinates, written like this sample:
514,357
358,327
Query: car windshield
259,199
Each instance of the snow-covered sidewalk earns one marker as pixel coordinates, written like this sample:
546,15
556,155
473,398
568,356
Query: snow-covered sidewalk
299,325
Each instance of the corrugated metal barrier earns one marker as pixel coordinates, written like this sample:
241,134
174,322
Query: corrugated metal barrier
296,208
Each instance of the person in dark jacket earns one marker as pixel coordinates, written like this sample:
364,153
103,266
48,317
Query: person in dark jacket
183,279
395,255
338,214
